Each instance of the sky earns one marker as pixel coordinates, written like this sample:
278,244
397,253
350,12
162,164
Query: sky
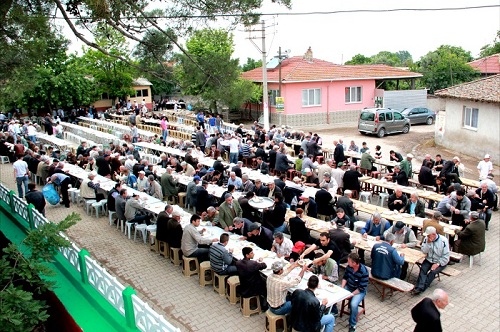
338,37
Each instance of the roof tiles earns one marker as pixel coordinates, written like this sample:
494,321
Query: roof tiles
485,89
297,69
487,65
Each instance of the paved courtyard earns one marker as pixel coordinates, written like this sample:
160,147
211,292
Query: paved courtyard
474,293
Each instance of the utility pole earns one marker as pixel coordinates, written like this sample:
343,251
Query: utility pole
262,50
279,72
265,96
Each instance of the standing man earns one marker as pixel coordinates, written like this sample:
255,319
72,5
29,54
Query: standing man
438,255
277,285
406,166
63,181
355,281
36,198
21,174
345,203
386,262
487,201
338,153
192,238
251,281
221,259
426,313
485,167
307,312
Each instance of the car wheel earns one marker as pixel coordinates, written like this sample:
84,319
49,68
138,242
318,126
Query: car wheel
406,129
429,121
381,133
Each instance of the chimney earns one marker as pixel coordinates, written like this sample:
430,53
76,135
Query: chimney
309,55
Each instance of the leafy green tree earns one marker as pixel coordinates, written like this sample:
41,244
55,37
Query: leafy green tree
110,74
358,59
208,70
251,64
22,275
386,58
444,67
54,81
405,58
491,49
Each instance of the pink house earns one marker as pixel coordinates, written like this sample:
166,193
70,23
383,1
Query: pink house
321,92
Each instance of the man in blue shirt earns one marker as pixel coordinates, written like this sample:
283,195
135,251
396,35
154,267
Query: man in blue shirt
63,181
386,262
355,280
376,227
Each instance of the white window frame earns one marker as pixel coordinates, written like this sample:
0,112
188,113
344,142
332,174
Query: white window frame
468,117
272,97
355,97
316,97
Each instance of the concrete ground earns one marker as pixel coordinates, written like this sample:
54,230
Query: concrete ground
474,293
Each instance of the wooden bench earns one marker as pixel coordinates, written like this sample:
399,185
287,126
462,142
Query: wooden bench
415,183
393,284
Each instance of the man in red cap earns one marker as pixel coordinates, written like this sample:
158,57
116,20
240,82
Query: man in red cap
297,250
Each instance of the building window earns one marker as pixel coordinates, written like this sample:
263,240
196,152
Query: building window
353,94
141,93
272,97
470,117
311,97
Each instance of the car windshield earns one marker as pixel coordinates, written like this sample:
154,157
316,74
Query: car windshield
367,116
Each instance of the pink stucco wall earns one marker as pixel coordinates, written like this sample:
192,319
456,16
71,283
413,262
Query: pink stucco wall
332,96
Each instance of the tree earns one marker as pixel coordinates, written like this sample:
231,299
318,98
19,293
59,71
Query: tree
445,67
111,75
57,80
207,69
386,58
251,64
23,272
491,49
154,54
358,59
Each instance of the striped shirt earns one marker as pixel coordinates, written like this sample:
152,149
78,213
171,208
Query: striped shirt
220,258
277,288
356,280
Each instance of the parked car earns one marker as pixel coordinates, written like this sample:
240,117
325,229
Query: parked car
382,121
419,115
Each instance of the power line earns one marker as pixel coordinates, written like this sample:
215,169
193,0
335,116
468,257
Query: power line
349,11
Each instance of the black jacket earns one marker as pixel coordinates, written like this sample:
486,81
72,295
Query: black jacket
282,162
174,233
251,282
36,198
298,231
427,316
312,208
343,242
264,240
262,191
272,158
306,311
263,168
323,198
346,204
351,180
338,153
425,176
162,226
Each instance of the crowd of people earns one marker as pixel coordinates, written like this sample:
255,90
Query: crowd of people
271,229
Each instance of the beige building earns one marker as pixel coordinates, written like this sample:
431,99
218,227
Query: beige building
142,89
471,121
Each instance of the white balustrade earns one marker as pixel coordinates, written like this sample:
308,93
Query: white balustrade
147,320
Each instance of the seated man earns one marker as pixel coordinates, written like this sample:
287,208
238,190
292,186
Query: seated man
307,312
438,255
471,240
174,230
397,201
277,285
376,227
241,226
386,262
282,246
309,206
415,206
298,229
486,200
327,268
325,244
191,238
221,259
345,203
134,211
434,222
403,236
260,235
162,223
340,237
355,280
251,281
211,215
229,210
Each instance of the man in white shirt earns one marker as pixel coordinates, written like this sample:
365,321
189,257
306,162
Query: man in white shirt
485,167
21,173
234,145
282,246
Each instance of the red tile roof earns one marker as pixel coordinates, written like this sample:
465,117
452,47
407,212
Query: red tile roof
487,65
297,69
485,89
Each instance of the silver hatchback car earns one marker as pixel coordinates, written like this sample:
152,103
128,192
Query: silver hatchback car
382,121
